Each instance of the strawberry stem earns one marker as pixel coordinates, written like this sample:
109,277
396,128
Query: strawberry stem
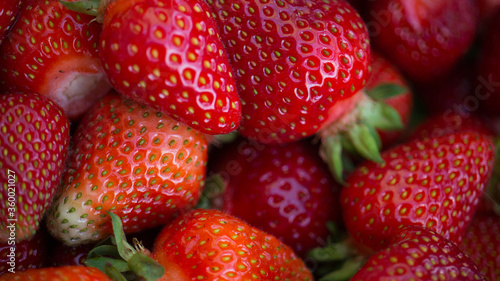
346,272
213,189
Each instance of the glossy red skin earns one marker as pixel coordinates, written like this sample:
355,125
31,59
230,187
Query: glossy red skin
432,182
383,72
161,73
419,254
32,253
489,68
193,246
290,77
63,255
285,190
424,38
81,273
49,42
132,160
8,13
35,142
482,243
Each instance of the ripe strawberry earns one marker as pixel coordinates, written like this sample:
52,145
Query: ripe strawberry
133,161
383,74
292,187
167,54
32,253
419,254
488,86
64,255
34,143
211,245
298,64
425,39
8,14
482,243
81,273
53,51
434,182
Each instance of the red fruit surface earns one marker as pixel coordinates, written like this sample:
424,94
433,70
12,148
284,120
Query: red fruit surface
63,255
482,243
419,254
32,253
167,54
210,245
489,68
53,51
424,38
383,72
8,14
132,160
435,183
298,64
34,143
80,273
292,187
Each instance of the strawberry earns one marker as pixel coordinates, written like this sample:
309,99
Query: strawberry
298,64
419,254
32,253
482,243
132,160
81,273
433,182
425,39
167,54
34,145
53,51
488,72
384,73
8,14
211,245
64,255
293,189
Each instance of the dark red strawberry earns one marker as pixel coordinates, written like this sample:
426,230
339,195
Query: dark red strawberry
210,245
482,243
167,54
64,273
419,254
488,82
8,14
20,256
132,160
298,64
292,187
53,51
63,255
425,39
34,143
433,182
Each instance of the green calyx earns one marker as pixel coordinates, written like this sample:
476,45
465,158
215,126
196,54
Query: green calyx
214,188
360,136
339,260
122,261
87,7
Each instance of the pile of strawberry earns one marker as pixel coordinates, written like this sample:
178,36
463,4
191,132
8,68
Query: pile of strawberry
249,140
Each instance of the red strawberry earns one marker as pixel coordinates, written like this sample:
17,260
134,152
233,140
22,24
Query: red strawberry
383,74
133,161
53,51
8,14
293,189
434,182
424,38
32,253
167,54
419,254
482,243
298,64
63,255
34,143
63,273
210,245
488,73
